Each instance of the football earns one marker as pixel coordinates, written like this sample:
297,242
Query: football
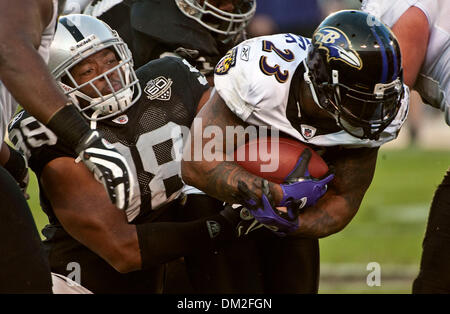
276,158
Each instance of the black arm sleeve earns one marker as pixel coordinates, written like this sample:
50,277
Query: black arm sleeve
161,242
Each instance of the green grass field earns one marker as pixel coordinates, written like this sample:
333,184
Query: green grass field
388,228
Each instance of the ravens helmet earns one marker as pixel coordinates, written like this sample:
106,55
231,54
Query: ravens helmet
77,37
354,71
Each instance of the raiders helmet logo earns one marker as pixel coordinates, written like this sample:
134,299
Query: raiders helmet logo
159,88
226,63
338,46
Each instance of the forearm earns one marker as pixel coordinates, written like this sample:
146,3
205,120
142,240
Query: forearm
220,179
29,82
354,170
22,69
123,255
330,215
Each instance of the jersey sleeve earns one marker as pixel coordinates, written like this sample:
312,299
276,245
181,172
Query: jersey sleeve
254,77
233,85
196,82
38,143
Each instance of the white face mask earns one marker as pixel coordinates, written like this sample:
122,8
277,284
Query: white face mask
110,105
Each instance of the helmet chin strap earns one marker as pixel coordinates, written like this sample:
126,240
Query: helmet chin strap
307,78
115,103
94,119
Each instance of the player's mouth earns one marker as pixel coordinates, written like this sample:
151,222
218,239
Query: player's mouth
116,85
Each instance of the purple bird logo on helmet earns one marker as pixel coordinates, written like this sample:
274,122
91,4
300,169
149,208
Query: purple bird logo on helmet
337,45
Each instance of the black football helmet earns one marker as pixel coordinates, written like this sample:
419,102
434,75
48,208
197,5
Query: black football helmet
195,30
354,70
209,14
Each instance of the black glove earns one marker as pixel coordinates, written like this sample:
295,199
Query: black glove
108,166
242,219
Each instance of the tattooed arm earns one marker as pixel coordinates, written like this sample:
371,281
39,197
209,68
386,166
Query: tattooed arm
216,176
354,169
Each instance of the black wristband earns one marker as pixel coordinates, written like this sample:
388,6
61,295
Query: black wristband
69,126
16,165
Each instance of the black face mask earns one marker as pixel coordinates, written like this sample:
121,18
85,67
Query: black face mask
363,115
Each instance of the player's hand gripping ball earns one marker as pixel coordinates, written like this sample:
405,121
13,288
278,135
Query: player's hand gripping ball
302,174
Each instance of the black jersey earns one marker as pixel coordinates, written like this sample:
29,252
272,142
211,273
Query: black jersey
149,134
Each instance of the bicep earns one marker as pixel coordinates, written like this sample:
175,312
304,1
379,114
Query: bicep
24,20
413,45
353,169
82,206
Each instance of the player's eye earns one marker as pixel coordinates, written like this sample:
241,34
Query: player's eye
87,72
111,61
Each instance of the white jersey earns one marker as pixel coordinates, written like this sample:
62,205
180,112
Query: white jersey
254,80
433,82
8,104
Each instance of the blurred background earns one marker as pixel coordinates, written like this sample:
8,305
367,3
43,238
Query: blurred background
390,225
